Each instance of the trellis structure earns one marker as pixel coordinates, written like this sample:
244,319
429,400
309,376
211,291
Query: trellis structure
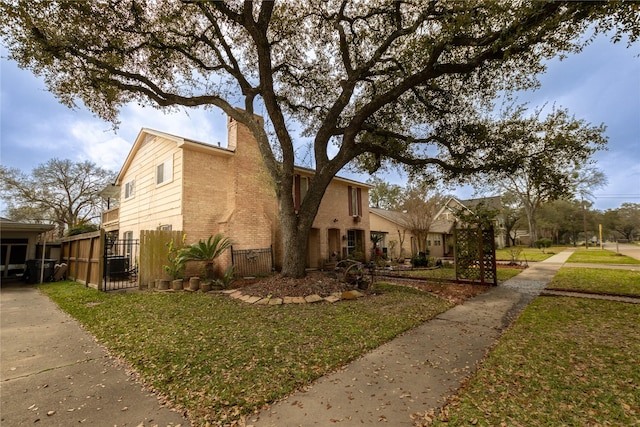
475,255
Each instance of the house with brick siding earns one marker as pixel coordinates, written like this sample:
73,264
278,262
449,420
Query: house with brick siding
168,182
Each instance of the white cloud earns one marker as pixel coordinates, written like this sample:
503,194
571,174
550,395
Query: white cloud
95,142
198,123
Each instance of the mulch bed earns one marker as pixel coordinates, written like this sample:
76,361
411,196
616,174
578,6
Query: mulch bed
323,284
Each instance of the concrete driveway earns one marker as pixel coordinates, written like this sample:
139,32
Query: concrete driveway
627,249
53,373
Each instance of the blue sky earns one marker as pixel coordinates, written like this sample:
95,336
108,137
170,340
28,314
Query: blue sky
599,85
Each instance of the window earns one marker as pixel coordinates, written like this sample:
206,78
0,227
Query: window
127,236
164,172
355,244
300,188
355,201
128,189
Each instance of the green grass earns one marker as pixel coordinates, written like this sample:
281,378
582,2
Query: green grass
622,282
566,361
600,256
528,254
440,274
218,358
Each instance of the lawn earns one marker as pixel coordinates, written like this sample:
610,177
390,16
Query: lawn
439,274
600,256
566,361
219,359
527,254
598,280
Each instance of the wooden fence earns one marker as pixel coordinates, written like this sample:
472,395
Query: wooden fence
84,256
154,248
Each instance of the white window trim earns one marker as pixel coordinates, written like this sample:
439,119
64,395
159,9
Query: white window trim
355,209
127,185
167,169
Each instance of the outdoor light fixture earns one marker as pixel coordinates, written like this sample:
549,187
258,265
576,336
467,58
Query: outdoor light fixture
335,219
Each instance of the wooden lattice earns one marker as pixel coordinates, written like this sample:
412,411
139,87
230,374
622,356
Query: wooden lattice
475,255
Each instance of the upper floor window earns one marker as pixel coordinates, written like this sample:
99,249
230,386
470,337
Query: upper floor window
300,188
164,172
128,189
355,201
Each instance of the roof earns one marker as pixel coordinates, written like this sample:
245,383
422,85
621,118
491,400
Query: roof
441,226
180,142
396,217
24,227
493,202
339,178
194,145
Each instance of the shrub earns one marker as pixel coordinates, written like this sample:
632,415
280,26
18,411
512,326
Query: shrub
420,260
542,244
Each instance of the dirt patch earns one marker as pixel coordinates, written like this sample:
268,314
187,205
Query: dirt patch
319,283
324,284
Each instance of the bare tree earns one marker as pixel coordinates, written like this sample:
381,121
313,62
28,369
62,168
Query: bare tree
421,205
60,192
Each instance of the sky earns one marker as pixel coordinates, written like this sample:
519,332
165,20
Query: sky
600,85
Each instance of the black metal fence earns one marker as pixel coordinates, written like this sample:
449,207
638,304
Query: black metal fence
121,264
252,262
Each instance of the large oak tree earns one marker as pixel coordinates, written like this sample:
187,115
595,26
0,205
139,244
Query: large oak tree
368,81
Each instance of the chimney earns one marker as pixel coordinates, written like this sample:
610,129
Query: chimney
232,134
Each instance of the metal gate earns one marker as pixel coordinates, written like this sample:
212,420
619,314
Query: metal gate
252,262
120,264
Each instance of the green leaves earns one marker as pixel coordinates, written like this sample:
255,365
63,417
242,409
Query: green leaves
206,251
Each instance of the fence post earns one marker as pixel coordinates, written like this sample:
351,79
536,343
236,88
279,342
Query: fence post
102,250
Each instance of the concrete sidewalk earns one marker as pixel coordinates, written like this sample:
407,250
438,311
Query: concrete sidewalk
417,370
53,373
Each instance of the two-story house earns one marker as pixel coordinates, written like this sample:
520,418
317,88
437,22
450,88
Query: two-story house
449,211
174,183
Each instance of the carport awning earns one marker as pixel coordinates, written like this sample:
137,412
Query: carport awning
7,225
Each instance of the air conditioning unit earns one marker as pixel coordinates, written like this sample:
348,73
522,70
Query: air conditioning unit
356,218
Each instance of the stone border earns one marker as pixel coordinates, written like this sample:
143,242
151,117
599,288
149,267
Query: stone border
309,299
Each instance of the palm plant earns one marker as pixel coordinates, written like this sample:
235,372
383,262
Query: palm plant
206,251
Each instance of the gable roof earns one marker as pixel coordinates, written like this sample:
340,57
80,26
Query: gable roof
447,206
180,143
493,202
396,217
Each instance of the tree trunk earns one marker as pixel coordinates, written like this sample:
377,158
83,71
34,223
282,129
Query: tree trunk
295,235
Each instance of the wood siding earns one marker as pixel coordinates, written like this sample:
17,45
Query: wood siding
152,205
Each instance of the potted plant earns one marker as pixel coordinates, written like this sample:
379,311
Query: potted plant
175,266
207,252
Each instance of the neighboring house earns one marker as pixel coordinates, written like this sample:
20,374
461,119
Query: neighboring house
395,234
397,240
173,183
390,227
448,214
19,242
